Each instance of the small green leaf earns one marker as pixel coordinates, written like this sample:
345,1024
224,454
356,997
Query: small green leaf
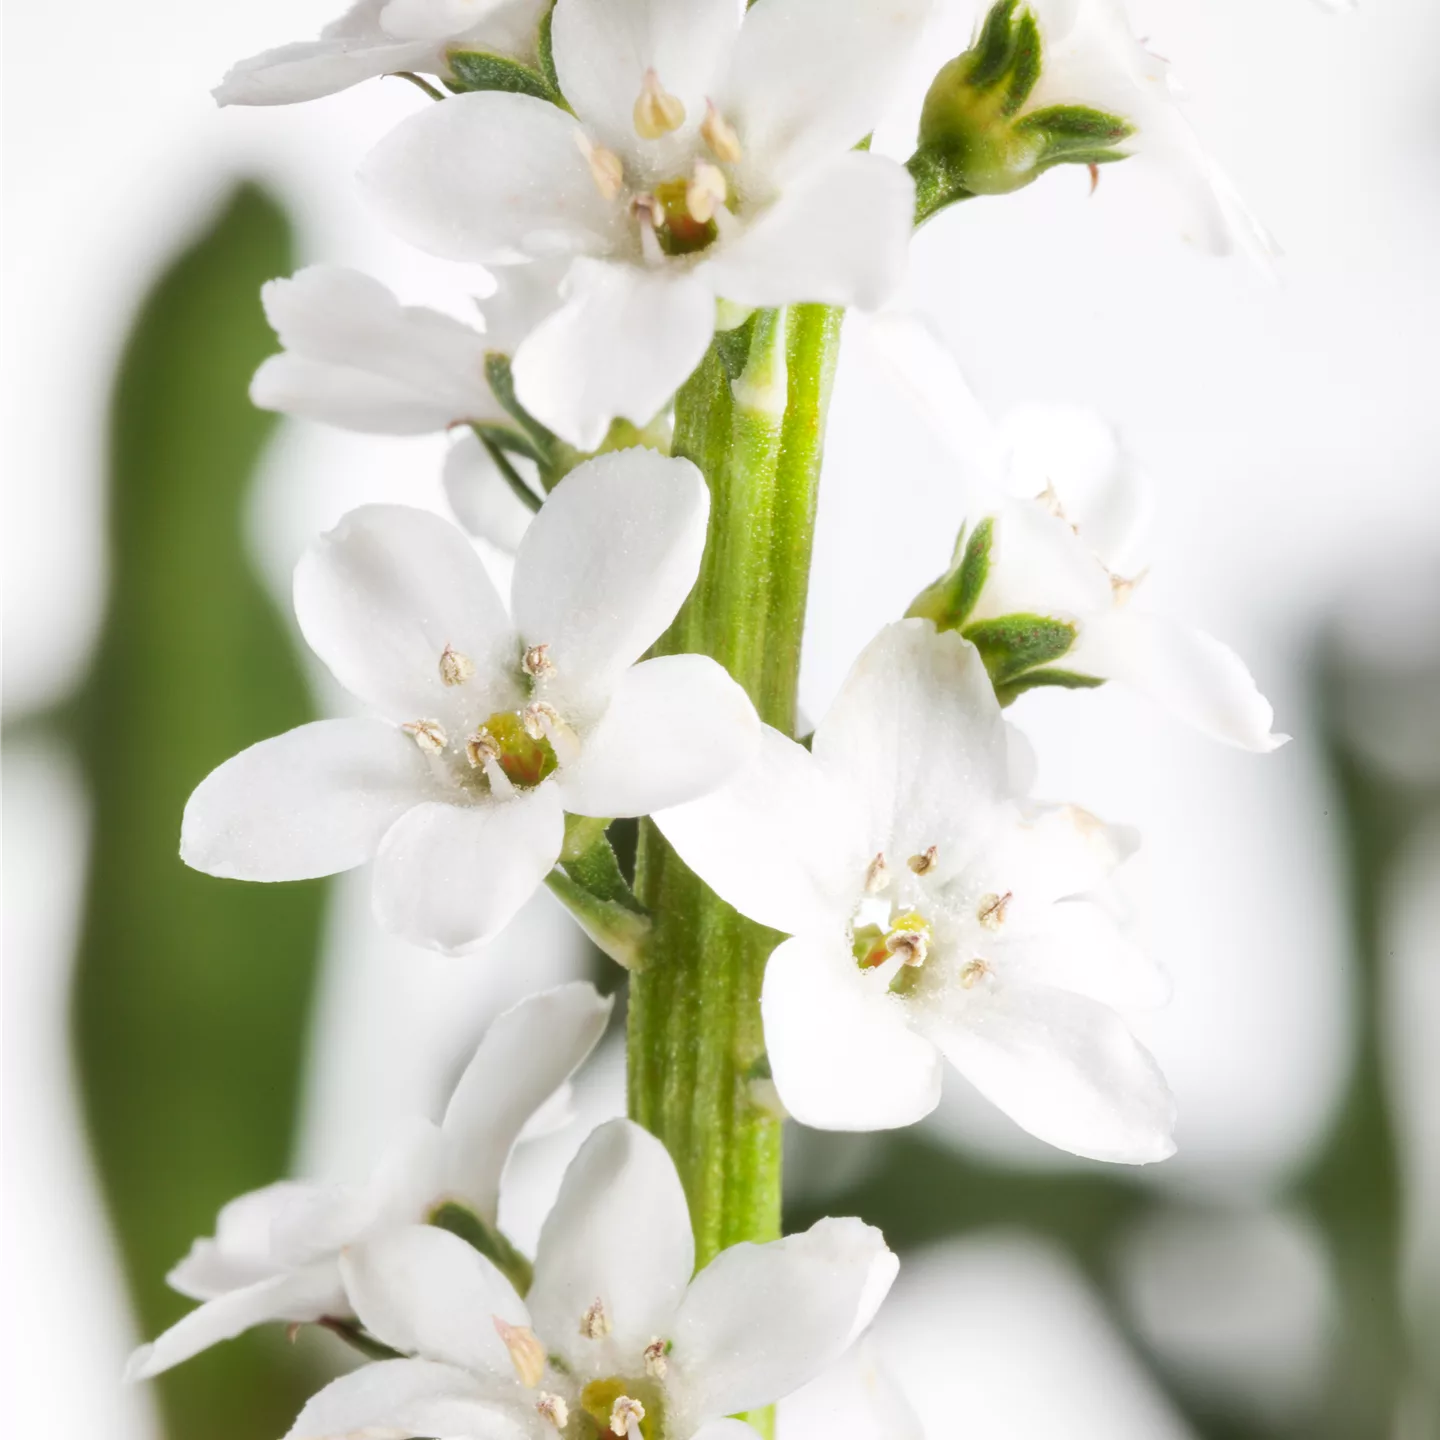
1013,644
463,1222
473,70
1040,679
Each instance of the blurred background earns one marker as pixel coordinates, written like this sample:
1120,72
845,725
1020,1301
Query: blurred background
171,1040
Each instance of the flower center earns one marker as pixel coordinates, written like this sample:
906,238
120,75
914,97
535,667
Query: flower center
508,739
633,1409
681,212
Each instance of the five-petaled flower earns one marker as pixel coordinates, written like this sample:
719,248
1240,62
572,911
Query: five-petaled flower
497,724
617,1336
931,915
276,1252
704,158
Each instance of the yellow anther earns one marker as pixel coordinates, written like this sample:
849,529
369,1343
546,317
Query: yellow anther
973,973
626,1415
719,134
923,864
657,111
705,192
606,168
455,668
877,875
527,1354
655,1362
595,1322
537,663
554,1409
429,735
991,913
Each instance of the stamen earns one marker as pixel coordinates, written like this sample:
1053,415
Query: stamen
455,668
595,1323
481,748
912,946
877,875
657,112
719,134
540,717
626,1416
606,168
655,1362
554,1409
527,1354
991,913
429,735
706,192
923,864
537,663
973,973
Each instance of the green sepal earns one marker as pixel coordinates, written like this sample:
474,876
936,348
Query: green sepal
1008,693
1012,644
950,600
990,57
591,885
472,70
500,443
555,458
545,54
1025,64
1076,134
462,1221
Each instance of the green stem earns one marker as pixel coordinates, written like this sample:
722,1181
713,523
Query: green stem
752,418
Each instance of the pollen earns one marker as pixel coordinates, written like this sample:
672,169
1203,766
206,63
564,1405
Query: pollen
429,735
527,1354
536,662
923,864
719,134
991,913
706,192
595,1322
455,668
626,1416
481,747
655,1362
657,112
877,875
973,973
554,1409
606,168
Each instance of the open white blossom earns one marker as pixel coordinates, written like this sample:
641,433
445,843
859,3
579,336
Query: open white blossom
932,915
616,1336
497,724
705,158
276,1252
1092,57
383,37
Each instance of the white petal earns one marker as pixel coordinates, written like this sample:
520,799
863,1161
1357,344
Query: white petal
620,1234
811,78
491,177
1040,566
401,1189
760,1321
677,727
604,567
918,736
841,1052
838,235
527,1054
855,1399
351,399
451,877
311,69
1049,852
398,1398
604,47
481,497
433,19
524,295
1063,1067
777,842
624,341
305,1295
379,598
314,801
423,1291
240,1253
1187,671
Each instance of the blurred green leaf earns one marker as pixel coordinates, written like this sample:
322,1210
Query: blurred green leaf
192,995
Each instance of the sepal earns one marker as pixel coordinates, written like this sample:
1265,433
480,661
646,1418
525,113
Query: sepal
463,1222
472,70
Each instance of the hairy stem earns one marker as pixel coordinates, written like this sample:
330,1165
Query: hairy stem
752,418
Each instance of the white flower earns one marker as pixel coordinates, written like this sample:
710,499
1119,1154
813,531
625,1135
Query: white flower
932,915
704,159
1092,58
497,723
614,1333
276,1252
382,37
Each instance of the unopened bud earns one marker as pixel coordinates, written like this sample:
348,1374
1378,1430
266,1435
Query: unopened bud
991,913
706,192
877,875
923,864
429,735
527,1354
455,668
655,1362
657,112
625,1414
554,1409
719,134
595,1322
481,747
536,662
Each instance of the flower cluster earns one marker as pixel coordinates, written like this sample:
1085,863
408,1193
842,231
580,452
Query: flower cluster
658,185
